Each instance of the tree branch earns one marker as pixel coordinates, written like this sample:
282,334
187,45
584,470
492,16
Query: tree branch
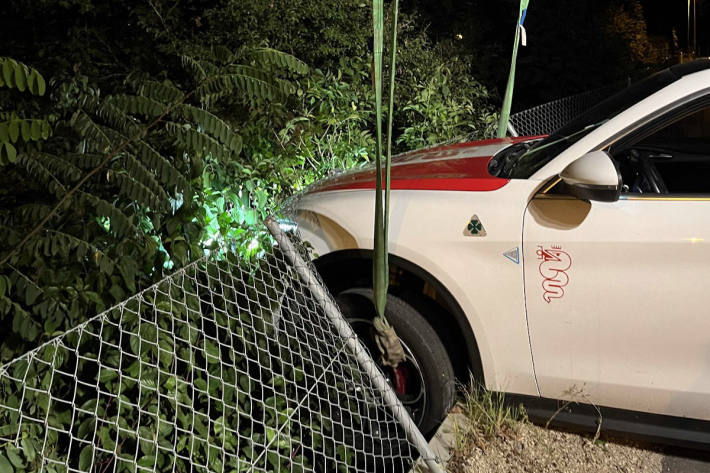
91,173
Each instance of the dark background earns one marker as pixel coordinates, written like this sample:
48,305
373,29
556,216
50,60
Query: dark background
570,43
573,46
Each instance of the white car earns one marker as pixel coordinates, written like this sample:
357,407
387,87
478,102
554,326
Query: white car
574,267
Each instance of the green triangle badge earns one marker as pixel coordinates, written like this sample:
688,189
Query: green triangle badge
474,227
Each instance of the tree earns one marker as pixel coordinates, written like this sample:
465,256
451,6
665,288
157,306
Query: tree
114,198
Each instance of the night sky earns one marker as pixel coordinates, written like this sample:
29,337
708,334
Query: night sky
664,15
566,52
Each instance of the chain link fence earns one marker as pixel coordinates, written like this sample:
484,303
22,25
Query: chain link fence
547,118
222,367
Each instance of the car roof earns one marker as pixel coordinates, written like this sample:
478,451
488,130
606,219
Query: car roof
680,70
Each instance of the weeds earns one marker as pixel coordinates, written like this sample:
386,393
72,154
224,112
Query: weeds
488,414
575,395
489,430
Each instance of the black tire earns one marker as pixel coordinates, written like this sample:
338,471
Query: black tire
420,341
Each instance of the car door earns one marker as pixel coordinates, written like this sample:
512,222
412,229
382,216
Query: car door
618,293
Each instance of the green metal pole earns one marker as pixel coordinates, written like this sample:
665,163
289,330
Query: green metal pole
387,340
380,276
390,117
508,98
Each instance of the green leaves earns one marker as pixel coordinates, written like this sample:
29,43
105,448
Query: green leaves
29,449
85,458
164,169
50,167
5,466
118,221
15,457
139,105
53,243
163,92
11,131
37,167
145,177
24,326
436,114
137,192
8,154
14,128
14,74
254,75
280,59
194,66
215,88
213,125
202,144
139,154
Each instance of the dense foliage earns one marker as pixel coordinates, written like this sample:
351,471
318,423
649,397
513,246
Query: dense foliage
118,187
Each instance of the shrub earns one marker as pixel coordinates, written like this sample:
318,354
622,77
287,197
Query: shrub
116,191
437,114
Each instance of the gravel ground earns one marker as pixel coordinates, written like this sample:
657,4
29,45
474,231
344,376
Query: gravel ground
531,449
535,449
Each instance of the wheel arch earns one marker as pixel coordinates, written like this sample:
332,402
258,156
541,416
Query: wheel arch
423,290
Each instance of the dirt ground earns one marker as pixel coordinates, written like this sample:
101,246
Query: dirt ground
529,448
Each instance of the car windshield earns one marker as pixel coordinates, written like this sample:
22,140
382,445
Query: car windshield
523,160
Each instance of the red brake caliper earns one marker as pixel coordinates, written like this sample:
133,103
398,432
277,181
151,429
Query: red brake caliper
400,380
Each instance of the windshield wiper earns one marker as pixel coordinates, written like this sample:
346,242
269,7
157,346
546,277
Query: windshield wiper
544,144
503,160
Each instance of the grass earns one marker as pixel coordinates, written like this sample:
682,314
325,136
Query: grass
488,416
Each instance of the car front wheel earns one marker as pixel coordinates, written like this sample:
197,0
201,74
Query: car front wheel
425,381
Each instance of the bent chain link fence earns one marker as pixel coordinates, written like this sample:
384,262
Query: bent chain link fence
222,366
547,118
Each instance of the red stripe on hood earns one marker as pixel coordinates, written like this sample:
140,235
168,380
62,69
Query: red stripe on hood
459,167
466,174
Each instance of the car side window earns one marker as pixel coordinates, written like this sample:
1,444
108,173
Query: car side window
673,158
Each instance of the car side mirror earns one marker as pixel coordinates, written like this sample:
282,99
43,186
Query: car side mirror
594,176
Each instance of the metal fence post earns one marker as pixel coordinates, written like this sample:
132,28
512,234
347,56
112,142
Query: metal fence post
355,346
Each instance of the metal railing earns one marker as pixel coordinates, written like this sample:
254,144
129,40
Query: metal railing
545,119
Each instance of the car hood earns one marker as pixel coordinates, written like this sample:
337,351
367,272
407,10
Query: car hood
457,167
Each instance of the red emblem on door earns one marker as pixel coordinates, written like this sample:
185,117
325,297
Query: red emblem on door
553,268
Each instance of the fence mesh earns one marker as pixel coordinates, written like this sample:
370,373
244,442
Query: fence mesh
223,366
547,118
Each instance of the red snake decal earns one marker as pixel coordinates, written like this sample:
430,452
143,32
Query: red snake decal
553,267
